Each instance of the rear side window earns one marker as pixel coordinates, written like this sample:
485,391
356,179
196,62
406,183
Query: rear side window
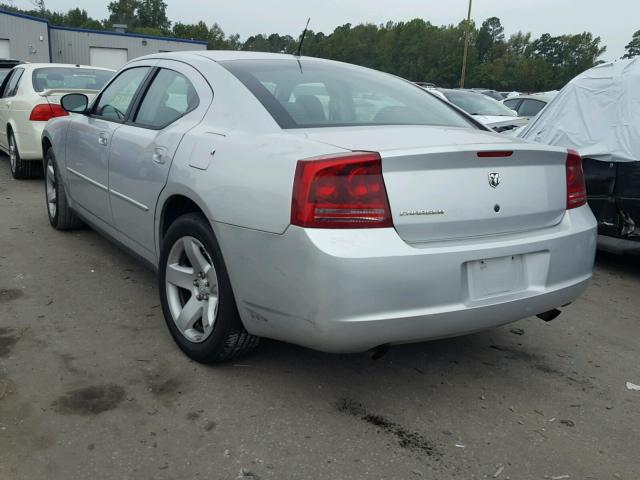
308,93
169,97
12,84
69,78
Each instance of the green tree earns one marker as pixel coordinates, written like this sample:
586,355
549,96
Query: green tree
153,14
633,47
123,11
490,36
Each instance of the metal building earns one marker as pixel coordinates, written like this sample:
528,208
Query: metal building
110,49
32,39
24,38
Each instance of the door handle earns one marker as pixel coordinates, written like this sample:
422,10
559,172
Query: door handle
158,155
102,139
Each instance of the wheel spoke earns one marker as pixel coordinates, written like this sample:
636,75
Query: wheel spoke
180,276
209,313
51,195
190,314
51,174
198,261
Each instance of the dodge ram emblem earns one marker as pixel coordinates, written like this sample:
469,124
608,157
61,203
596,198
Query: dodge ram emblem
494,179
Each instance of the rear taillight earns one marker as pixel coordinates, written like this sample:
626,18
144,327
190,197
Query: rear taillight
46,111
576,189
340,191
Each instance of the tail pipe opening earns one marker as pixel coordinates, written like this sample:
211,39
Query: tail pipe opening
549,315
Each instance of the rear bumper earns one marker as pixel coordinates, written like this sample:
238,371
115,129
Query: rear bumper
352,290
29,140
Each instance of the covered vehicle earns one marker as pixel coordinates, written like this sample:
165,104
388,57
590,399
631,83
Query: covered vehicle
598,114
486,110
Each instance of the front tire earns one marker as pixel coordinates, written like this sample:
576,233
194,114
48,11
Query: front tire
20,169
61,217
196,295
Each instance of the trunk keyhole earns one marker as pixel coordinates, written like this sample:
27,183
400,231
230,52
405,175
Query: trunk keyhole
496,208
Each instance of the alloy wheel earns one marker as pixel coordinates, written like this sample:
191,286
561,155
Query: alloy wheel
52,195
191,285
13,153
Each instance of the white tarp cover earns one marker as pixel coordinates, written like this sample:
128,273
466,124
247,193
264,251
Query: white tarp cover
597,113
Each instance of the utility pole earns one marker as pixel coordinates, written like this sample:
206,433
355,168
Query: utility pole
466,47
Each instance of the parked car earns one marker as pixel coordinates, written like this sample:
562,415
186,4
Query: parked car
29,96
341,227
6,64
598,114
528,106
485,109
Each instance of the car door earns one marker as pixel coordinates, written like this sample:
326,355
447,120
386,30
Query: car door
176,99
6,99
89,140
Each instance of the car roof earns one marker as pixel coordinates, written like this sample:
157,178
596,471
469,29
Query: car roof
533,96
33,66
226,55
460,90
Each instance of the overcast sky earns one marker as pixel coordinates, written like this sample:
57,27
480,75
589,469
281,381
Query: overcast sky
613,20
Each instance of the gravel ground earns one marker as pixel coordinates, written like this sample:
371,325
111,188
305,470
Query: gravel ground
92,386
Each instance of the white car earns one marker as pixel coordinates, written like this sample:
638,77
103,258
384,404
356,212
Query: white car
29,97
528,106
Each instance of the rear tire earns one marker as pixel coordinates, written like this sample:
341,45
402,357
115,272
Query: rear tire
196,295
60,215
21,169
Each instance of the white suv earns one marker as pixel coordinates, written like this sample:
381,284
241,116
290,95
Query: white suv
29,96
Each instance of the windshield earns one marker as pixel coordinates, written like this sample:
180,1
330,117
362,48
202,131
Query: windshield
69,78
308,93
478,104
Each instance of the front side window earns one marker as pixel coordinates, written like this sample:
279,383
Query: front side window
116,99
69,78
530,108
3,74
512,104
12,84
169,97
308,93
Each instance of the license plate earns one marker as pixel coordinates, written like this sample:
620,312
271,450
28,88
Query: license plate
495,276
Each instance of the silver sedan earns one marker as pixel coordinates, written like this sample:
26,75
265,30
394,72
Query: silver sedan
316,202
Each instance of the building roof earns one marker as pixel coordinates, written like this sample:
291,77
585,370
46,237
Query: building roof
101,32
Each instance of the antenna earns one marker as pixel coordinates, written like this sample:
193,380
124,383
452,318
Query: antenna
304,32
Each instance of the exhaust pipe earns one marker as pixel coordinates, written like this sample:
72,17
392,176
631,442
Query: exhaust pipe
550,315
380,351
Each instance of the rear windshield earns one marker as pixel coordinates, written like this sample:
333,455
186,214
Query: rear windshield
69,78
308,93
478,104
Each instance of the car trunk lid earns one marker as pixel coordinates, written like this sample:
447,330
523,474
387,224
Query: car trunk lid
454,183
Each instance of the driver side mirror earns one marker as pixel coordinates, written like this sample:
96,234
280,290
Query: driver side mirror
75,102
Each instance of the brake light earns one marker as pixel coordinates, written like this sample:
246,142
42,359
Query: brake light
492,154
340,191
46,111
576,188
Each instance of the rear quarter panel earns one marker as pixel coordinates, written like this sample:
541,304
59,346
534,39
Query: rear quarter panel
247,181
